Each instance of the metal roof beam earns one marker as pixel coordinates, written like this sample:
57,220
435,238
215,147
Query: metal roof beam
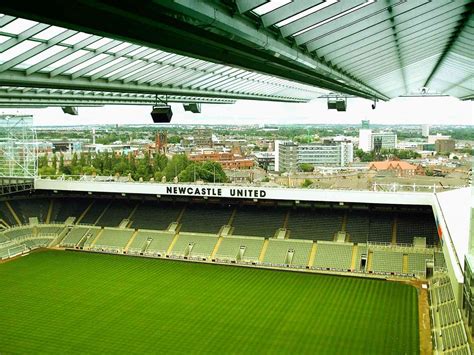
5,20
249,5
36,50
413,27
64,53
92,54
318,17
452,40
287,11
17,78
83,59
23,36
358,30
359,16
84,98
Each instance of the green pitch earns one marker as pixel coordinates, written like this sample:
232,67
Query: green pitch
64,302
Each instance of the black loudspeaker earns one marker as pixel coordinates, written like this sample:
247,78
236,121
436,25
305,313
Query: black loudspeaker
70,110
193,107
331,103
161,114
341,104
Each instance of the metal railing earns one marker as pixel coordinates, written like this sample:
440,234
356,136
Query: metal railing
11,184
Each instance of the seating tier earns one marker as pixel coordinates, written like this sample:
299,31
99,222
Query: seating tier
205,219
333,255
115,239
357,226
160,242
202,245
152,215
261,222
31,208
95,211
230,247
387,261
278,252
314,225
117,211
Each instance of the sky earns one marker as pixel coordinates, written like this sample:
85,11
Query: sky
413,110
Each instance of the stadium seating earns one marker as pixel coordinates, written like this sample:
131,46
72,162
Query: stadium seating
25,209
95,211
314,225
63,209
151,215
415,225
3,238
89,237
12,250
49,229
261,222
439,261
74,236
139,242
417,262
448,327
117,211
357,226
18,233
387,261
336,256
6,215
205,218
113,239
194,245
159,243
380,227
288,252
37,243
230,249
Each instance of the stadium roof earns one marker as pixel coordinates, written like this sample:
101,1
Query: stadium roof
40,56
365,48
16,97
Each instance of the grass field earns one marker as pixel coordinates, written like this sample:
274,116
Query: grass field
64,302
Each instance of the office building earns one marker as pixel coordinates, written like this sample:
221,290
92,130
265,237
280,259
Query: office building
445,146
291,155
425,130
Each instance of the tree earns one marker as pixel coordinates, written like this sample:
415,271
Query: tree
174,139
215,171
61,163
175,166
306,183
160,162
365,157
43,161
54,163
82,160
209,171
46,170
307,168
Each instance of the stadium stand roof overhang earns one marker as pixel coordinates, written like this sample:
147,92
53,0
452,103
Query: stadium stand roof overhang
45,97
366,48
42,63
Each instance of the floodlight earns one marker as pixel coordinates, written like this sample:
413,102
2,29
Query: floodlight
193,107
70,110
161,114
